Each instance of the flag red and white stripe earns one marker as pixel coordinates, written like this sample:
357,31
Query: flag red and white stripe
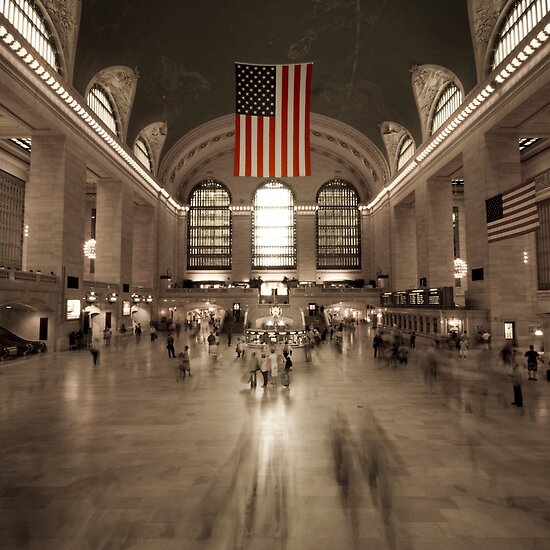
272,120
513,213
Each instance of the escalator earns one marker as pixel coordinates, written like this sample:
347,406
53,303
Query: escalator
12,345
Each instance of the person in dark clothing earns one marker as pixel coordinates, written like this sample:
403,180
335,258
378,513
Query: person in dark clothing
94,350
170,346
412,341
516,383
533,358
377,344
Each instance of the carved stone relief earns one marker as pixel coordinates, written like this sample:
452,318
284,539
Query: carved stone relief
484,15
64,15
61,17
121,83
542,181
427,82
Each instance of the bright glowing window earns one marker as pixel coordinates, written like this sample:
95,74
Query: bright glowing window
338,227
274,242
525,143
101,105
209,230
448,102
523,17
12,224
142,154
29,22
406,151
24,143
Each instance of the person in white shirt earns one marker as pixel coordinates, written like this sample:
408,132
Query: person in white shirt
274,366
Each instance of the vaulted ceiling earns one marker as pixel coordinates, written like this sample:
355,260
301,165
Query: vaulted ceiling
362,49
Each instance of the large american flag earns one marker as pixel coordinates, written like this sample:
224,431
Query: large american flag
513,213
272,120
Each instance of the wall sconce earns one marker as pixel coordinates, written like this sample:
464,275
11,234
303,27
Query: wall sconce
112,297
91,297
136,298
148,299
538,332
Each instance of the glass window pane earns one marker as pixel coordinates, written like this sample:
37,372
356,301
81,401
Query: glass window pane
209,229
23,15
338,230
142,153
406,151
101,105
447,104
273,227
520,21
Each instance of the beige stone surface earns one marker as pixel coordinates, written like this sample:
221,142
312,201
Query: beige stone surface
354,455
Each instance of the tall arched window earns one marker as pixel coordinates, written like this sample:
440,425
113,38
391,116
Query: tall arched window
523,17
24,16
273,239
448,102
141,150
406,151
101,105
338,227
209,229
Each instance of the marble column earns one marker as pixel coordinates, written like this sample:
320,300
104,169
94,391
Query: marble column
381,238
505,285
403,231
55,201
114,232
241,261
182,236
306,244
367,245
144,251
434,232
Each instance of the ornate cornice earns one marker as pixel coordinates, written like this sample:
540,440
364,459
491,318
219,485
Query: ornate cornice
428,81
393,135
333,138
121,83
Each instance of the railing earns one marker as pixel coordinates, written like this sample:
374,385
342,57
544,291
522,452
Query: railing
100,284
309,291
16,275
234,290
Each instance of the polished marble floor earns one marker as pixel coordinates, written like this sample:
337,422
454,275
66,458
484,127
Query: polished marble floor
355,455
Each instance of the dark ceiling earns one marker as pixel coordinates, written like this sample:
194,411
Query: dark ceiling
362,50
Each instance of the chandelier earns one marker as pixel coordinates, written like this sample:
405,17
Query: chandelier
89,249
461,268
92,297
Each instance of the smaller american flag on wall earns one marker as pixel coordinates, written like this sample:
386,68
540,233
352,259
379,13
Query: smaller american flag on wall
272,120
512,213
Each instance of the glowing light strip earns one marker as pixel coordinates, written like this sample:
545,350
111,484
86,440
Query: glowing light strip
528,50
81,111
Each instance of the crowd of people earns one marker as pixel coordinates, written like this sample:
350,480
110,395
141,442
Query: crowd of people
272,362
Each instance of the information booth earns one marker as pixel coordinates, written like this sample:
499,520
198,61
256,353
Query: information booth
274,324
